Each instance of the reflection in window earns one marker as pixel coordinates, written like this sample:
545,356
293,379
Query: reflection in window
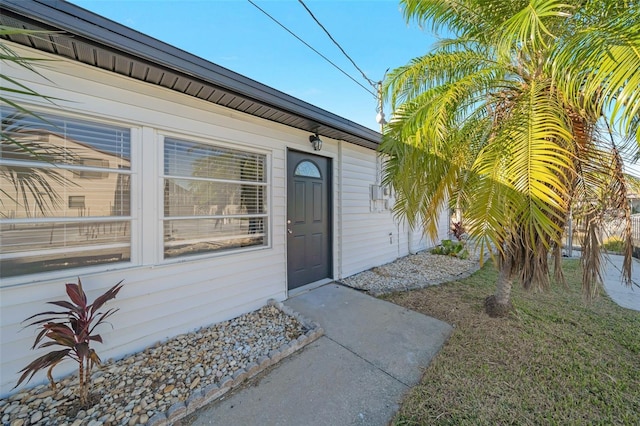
214,198
77,201
73,171
307,169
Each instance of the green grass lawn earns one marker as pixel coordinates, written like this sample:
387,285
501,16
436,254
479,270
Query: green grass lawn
556,360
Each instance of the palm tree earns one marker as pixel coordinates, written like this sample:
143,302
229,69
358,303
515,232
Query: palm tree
511,119
28,184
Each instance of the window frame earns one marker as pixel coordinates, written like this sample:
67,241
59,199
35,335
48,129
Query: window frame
147,168
132,219
216,142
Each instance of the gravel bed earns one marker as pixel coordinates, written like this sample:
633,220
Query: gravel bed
164,383
169,380
413,272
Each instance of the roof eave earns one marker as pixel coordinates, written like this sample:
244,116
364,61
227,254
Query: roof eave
103,33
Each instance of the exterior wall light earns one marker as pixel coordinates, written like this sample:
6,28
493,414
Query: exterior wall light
316,142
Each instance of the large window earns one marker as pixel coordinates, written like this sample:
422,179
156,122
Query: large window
65,193
214,199
65,196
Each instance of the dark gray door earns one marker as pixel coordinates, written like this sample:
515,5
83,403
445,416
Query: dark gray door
308,218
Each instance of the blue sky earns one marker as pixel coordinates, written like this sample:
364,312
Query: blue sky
238,36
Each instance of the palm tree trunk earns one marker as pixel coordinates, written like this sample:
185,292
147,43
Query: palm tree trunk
499,304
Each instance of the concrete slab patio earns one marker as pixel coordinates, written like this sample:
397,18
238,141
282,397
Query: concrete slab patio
356,374
627,297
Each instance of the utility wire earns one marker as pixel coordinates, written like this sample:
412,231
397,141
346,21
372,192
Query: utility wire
310,47
371,82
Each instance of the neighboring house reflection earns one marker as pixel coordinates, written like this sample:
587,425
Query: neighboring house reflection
87,187
65,203
207,205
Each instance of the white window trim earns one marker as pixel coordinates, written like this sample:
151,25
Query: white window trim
147,172
222,143
7,282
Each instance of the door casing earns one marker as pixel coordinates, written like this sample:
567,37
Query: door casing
309,240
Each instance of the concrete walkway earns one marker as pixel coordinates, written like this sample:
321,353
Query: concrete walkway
356,374
627,297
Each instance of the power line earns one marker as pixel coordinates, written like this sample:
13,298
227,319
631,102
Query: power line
310,47
371,82
376,85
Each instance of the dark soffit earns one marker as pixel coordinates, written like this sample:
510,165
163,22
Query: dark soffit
89,38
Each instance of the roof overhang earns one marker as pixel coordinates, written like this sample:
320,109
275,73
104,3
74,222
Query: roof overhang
89,38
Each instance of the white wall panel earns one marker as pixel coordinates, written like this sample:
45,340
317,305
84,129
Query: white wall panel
369,238
162,299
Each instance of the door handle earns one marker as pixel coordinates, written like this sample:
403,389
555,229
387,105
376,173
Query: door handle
289,231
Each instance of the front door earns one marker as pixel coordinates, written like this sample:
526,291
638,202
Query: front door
308,218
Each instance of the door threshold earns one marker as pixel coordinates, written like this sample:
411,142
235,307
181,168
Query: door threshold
308,287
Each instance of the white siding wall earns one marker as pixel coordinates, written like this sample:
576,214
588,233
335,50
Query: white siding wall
403,239
419,241
372,238
369,238
160,300
444,227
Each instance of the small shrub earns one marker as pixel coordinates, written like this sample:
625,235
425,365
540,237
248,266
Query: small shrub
73,330
614,244
450,248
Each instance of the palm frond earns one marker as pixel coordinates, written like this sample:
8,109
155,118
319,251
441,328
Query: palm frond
530,148
433,70
535,77
463,17
10,56
432,113
529,28
598,65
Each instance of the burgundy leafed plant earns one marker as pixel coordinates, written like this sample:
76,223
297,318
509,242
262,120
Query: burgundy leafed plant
458,230
72,329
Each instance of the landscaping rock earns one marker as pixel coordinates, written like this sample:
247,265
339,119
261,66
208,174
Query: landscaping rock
412,272
167,381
